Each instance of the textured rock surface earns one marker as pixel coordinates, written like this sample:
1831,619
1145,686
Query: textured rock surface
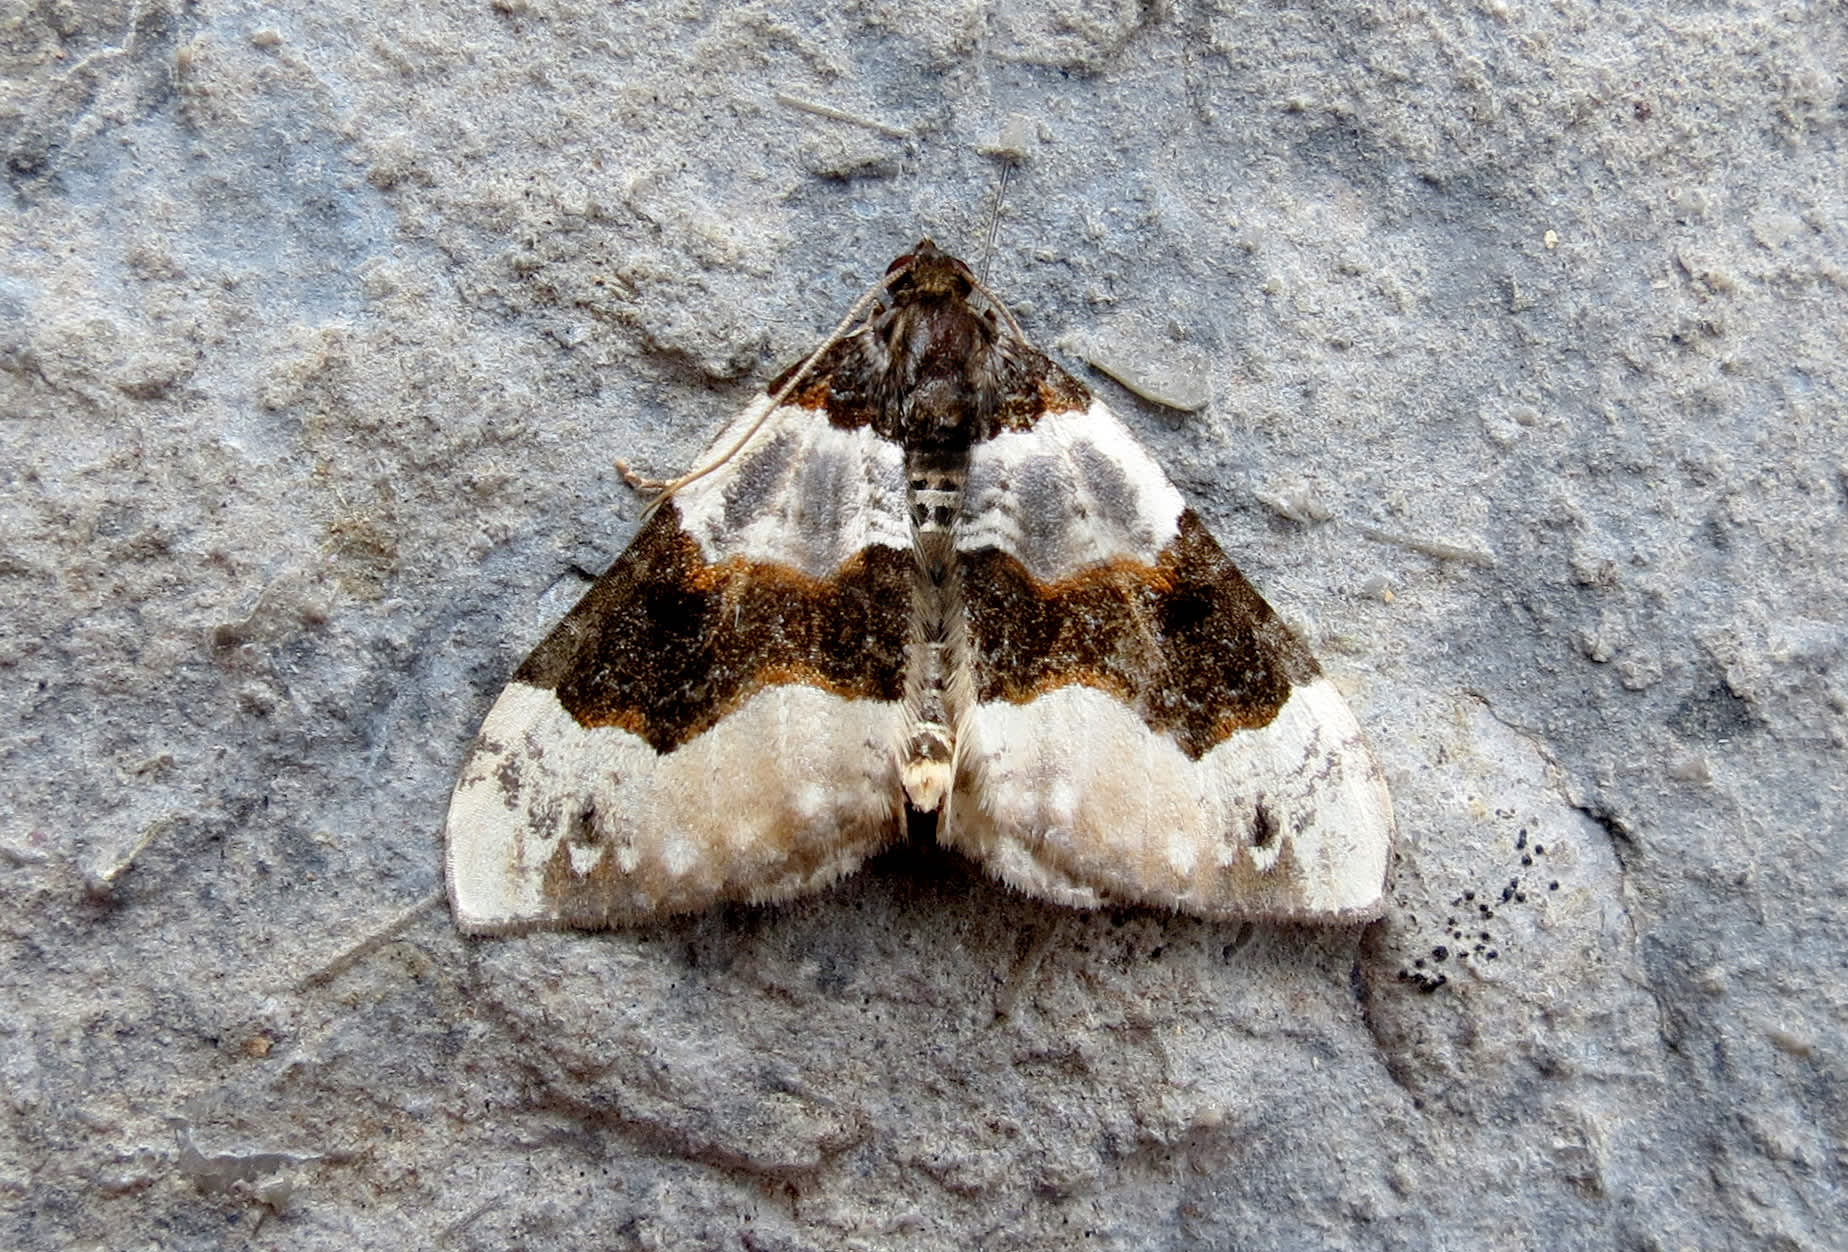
318,336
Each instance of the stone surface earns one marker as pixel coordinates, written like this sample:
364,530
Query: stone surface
1523,329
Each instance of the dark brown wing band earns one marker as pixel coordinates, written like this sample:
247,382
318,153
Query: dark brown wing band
665,644
1185,642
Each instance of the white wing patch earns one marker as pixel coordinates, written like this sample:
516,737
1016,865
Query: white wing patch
554,824
1071,798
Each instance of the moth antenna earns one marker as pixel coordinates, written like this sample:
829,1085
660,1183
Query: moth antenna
668,487
995,300
994,226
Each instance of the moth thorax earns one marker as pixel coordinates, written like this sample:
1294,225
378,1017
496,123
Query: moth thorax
940,353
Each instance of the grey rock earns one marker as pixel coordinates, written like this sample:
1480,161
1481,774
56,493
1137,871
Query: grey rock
1523,330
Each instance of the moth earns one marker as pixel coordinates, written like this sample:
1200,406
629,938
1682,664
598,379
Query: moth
924,578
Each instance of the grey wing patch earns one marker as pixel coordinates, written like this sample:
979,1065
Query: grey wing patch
1074,491
801,493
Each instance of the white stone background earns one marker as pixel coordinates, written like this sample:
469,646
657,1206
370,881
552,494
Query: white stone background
1523,330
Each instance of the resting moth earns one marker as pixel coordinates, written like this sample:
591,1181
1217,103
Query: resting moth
924,575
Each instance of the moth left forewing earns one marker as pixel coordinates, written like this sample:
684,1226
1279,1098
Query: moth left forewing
693,731
1142,727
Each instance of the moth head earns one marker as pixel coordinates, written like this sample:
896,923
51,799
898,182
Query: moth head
928,270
